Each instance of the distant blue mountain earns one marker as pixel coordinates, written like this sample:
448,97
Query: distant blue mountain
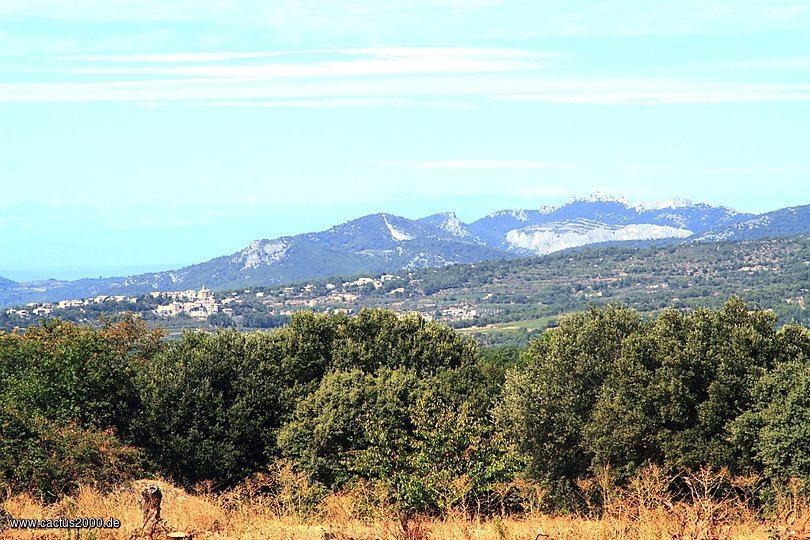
449,222
371,244
597,219
386,243
791,221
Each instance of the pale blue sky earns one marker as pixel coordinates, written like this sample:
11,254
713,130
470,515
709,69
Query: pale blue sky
141,135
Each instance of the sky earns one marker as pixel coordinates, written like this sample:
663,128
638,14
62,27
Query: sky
140,135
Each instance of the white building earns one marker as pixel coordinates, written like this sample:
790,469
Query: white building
170,310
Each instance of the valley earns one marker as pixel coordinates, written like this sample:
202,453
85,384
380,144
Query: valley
505,301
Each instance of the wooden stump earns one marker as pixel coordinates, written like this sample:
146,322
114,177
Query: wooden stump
150,505
5,519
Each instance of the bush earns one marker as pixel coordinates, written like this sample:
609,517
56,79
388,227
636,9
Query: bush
608,389
377,338
66,372
67,393
777,428
330,426
52,458
451,460
213,404
547,404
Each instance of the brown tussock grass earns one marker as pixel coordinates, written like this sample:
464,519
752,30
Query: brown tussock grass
642,511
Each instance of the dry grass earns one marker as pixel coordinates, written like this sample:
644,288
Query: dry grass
640,512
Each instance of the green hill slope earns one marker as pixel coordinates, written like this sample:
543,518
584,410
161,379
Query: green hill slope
530,293
508,300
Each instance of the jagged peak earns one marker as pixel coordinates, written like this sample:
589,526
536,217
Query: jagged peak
677,202
453,225
516,213
598,196
261,252
645,206
449,215
396,234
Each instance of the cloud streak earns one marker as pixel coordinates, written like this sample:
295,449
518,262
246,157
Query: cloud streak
505,18
474,164
652,91
365,62
338,103
362,77
500,53
438,88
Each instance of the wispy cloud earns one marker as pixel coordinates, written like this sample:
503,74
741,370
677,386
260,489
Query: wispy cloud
495,53
363,77
800,64
356,68
323,63
474,164
686,172
324,76
624,91
327,103
437,88
494,18
172,58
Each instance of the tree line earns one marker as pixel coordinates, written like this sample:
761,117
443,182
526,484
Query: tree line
409,407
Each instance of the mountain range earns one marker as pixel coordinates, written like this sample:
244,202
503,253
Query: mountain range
386,243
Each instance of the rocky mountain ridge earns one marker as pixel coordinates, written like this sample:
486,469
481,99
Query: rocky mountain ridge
387,243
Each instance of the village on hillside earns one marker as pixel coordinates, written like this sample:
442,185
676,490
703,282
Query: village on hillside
247,307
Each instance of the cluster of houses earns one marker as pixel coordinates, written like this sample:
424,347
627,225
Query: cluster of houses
459,313
198,304
36,311
45,309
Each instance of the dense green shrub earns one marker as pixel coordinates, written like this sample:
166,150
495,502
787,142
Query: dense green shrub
68,372
377,338
331,425
777,427
547,404
213,404
424,437
404,407
677,386
607,389
451,458
54,457
67,398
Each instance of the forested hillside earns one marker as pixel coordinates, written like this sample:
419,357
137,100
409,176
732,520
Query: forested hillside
505,301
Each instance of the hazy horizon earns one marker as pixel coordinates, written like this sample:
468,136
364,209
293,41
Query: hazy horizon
80,272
